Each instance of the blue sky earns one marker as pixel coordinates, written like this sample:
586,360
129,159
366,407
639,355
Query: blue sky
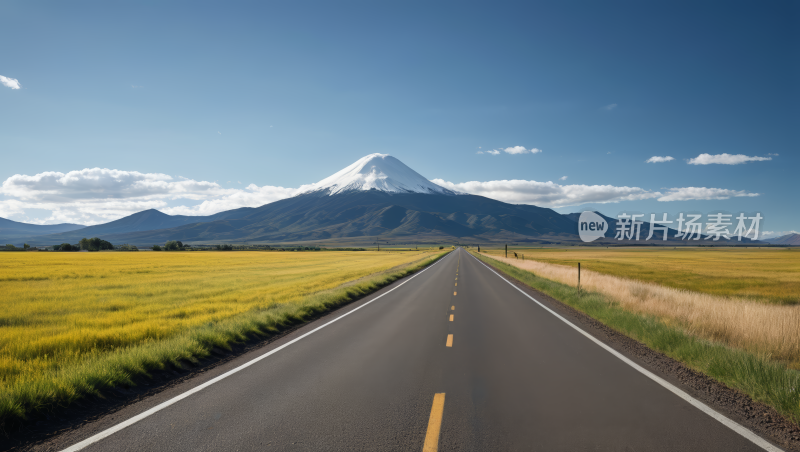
188,103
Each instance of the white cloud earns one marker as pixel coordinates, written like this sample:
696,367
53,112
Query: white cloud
562,178
512,150
9,82
703,193
610,107
516,150
521,150
657,159
550,194
725,159
98,195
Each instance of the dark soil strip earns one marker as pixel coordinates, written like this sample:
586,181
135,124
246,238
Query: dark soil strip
756,416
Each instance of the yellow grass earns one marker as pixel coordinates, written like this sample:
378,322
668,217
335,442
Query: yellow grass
751,325
58,308
770,275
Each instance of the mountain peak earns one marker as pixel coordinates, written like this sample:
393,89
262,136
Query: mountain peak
380,172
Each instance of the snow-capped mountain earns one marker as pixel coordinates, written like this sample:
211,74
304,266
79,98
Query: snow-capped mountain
381,172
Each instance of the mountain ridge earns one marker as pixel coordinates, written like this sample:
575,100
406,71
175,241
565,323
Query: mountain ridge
12,230
788,239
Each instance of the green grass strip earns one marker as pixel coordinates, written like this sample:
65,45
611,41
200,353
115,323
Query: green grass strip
763,380
121,367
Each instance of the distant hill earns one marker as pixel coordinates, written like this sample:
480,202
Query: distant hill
146,220
317,216
11,230
788,239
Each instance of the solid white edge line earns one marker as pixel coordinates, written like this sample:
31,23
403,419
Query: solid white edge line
733,425
110,431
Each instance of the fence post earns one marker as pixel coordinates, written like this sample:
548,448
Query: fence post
506,249
579,275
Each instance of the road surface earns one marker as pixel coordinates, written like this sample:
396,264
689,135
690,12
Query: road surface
453,358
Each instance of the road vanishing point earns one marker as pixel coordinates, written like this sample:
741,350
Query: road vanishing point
452,358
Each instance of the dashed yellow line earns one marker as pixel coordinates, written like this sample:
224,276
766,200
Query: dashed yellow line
454,293
434,424
449,340
451,317
452,308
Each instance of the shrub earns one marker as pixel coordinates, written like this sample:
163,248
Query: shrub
156,248
95,244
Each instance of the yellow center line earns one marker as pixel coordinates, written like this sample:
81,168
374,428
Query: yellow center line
449,340
451,317
434,424
454,293
456,284
452,308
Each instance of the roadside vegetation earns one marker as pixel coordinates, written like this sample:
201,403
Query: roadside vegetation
737,355
771,275
74,324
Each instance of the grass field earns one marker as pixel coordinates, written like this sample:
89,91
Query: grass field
755,374
766,328
766,274
72,323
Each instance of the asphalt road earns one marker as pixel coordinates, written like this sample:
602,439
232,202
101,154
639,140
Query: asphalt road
510,374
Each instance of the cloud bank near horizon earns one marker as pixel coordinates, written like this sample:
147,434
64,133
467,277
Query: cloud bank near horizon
551,194
98,195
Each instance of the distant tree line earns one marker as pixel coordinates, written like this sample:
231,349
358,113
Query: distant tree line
92,244
10,247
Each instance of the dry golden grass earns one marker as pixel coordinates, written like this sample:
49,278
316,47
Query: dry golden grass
749,325
57,309
770,275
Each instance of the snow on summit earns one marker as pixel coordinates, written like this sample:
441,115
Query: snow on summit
381,172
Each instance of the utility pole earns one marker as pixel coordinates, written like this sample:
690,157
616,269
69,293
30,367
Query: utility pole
506,249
